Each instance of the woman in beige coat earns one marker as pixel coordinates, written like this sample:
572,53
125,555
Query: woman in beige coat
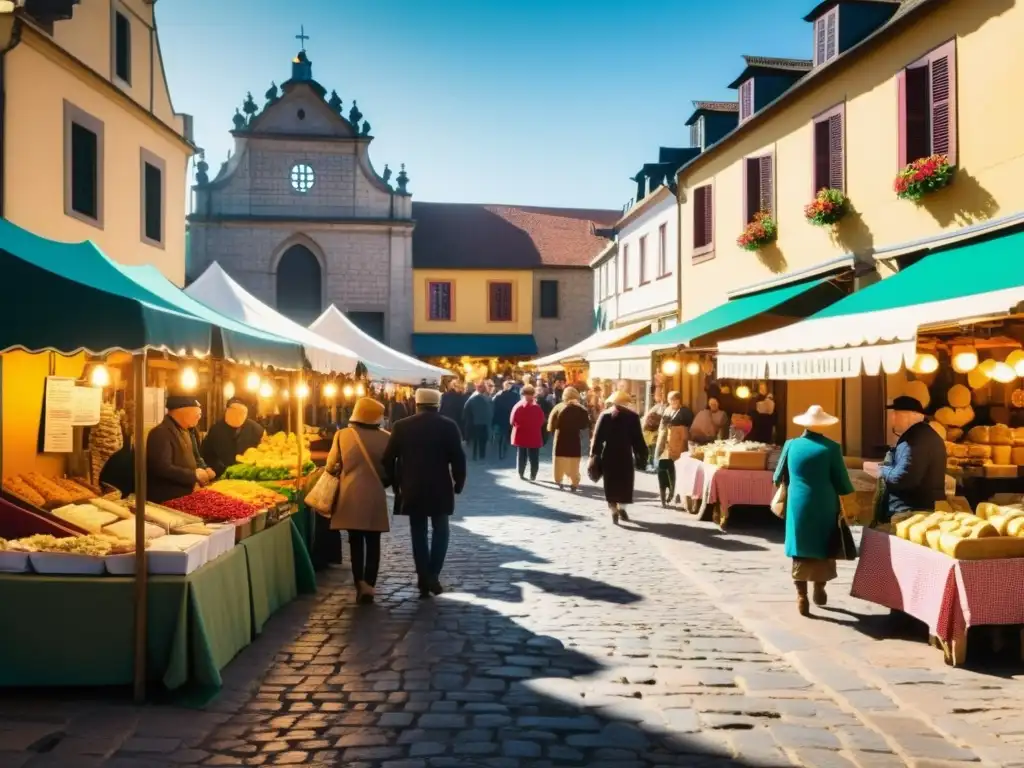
362,506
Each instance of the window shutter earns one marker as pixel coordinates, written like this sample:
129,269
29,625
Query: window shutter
831,33
943,102
822,161
835,151
746,99
819,41
698,217
901,104
752,188
709,221
766,197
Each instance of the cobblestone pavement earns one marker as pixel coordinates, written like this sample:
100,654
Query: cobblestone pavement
562,641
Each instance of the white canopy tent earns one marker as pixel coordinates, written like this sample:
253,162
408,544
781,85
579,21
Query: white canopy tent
579,350
218,290
382,361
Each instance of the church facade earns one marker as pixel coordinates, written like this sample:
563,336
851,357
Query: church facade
299,216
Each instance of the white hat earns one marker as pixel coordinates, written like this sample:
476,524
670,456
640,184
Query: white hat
426,396
815,417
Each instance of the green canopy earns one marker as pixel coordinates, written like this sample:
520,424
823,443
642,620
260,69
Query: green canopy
726,315
241,343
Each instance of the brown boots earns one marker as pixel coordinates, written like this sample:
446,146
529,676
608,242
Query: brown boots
803,605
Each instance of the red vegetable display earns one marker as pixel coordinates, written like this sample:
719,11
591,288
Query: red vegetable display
213,507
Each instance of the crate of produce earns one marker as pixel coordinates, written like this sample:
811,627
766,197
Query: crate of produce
757,460
63,564
259,522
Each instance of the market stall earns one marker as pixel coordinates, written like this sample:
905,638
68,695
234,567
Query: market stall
148,592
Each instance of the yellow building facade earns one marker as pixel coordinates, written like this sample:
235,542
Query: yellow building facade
475,303
864,85
92,146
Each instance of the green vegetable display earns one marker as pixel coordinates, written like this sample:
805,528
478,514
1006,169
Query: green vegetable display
251,472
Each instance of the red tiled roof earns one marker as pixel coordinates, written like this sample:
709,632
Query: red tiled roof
475,236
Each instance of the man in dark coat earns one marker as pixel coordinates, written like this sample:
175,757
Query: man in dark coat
914,473
233,435
504,402
479,412
453,403
171,467
426,466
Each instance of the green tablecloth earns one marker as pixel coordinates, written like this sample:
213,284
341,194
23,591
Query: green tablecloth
78,631
279,569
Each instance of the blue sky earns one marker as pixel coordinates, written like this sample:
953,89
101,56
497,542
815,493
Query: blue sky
541,102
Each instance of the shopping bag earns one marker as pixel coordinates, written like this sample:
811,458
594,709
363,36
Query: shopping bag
322,497
842,545
778,504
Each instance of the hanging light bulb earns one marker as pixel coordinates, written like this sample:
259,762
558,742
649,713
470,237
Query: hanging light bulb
229,390
360,389
925,363
965,359
100,376
743,392
347,391
1003,373
693,368
284,394
302,391
988,367
189,379
670,367
330,389
266,389
1016,361
252,382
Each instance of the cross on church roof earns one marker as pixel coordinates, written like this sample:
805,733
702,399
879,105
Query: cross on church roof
302,37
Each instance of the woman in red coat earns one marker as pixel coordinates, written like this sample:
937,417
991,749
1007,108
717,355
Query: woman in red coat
527,422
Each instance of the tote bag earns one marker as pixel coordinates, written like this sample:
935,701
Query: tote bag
324,493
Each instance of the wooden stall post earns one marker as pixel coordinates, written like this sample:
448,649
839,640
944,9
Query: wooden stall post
141,570
2,417
299,428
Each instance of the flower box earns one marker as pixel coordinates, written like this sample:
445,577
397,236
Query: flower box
827,208
760,232
922,177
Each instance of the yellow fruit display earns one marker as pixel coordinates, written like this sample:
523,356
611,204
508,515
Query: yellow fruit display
278,451
247,491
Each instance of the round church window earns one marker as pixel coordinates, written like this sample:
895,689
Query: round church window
303,178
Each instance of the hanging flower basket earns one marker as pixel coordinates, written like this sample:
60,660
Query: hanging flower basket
922,177
760,232
828,207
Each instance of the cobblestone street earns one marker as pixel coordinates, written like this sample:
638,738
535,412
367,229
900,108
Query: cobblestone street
561,641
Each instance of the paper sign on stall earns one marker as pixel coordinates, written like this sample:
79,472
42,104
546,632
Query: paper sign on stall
153,406
85,406
58,409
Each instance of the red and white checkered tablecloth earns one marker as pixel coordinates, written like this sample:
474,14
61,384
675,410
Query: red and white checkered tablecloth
728,487
907,577
989,592
690,476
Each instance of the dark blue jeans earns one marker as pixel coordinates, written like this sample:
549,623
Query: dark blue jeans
429,555
528,454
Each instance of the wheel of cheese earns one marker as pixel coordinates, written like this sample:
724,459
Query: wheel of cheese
945,416
1001,454
958,396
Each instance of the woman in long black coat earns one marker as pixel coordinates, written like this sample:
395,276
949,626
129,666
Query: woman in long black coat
618,449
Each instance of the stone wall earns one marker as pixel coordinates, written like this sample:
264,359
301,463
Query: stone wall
575,319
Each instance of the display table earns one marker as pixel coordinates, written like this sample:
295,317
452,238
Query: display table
78,631
709,491
948,595
690,482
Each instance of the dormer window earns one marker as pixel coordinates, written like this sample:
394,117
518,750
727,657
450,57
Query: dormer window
826,37
746,99
697,133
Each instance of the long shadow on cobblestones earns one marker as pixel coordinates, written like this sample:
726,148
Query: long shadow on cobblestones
710,537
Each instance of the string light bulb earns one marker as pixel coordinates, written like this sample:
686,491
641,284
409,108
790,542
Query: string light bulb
965,359
693,368
229,390
670,367
360,389
100,376
1016,361
189,378
925,363
347,391
743,392
266,389
330,389
252,382
1003,373
302,391
284,394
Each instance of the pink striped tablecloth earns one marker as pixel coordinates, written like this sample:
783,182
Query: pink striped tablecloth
728,487
948,595
690,477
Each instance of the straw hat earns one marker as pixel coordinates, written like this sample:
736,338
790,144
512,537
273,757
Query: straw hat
815,417
427,396
620,398
367,411
570,393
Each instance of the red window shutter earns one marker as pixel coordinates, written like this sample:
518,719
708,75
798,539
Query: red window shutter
835,151
943,101
901,104
831,33
819,41
767,187
822,160
752,188
709,219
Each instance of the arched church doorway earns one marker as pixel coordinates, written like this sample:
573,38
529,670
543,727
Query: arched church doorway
299,285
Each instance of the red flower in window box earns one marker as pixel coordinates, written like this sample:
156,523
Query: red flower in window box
760,232
828,207
922,177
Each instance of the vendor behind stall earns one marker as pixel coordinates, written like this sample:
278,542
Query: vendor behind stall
913,476
233,435
172,469
710,424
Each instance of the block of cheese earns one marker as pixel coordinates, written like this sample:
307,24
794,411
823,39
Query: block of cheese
918,531
1015,527
932,537
1001,521
979,451
1000,434
902,528
1018,436
979,435
959,503
1000,470
1002,454
125,529
981,549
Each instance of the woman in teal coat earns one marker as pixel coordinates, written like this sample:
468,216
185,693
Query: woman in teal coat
812,466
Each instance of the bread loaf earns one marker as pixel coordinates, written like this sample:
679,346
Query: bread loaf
979,435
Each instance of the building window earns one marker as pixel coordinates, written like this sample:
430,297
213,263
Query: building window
829,158
663,265
549,299
303,178
703,221
645,274
760,187
927,106
500,302
746,99
625,268
697,133
122,47
83,165
826,37
152,198
439,301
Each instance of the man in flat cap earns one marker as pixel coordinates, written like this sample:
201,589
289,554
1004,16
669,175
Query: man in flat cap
426,465
172,469
233,435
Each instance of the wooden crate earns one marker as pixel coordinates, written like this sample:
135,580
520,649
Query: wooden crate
743,460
